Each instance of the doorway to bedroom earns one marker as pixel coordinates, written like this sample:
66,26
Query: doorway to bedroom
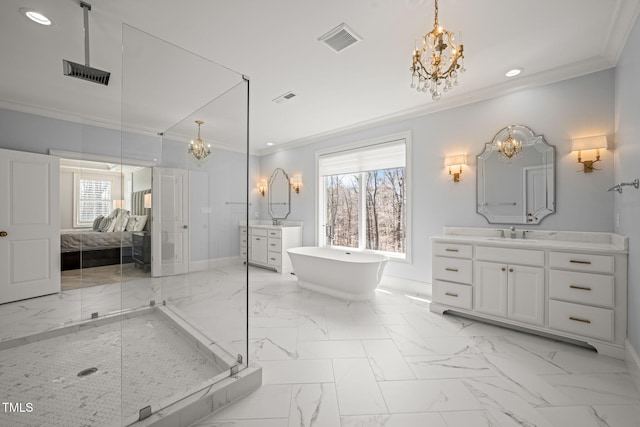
105,223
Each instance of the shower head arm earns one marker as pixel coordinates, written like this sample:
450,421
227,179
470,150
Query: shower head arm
86,7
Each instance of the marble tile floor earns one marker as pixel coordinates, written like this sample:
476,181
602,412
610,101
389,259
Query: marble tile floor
104,275
389,362
139,360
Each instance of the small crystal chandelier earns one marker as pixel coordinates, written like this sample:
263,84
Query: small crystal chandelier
510,147
439,61
197,148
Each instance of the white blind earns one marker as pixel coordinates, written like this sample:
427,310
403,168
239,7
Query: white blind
94,199
386,155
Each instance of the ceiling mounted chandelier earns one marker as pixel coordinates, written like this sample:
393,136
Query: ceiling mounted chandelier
438,62
197,148
510,147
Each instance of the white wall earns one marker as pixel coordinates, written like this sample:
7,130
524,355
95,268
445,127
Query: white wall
573,108
627,156
141,180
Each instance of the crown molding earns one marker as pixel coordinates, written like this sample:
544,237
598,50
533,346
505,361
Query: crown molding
554,75
622,23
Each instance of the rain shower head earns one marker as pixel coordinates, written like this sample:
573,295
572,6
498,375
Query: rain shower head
85,72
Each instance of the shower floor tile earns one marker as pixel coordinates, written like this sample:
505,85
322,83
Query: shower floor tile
140,360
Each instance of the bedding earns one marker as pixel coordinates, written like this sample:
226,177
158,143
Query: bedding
87,240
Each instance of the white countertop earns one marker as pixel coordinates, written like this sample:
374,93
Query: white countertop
538,239
269,224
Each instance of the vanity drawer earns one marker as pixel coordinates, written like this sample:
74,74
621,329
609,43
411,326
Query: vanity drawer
262,232
452,294
275,259
510,255
243,230
582,262
581,319
454,250
585,288
274,233
452,269
243,252
274,245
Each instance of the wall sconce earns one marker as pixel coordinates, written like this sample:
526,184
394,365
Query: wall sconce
589,143
453,161
118,204
147,201
262,187
296,183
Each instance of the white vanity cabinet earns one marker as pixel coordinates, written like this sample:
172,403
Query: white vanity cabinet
512,291
567,284
266,245
505,287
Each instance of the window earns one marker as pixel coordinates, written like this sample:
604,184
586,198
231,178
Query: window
92,198
363,201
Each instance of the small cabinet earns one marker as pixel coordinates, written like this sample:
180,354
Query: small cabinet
141,249
258,249
266,246
512,291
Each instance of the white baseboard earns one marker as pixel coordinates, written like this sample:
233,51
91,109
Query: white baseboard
633,362
409,287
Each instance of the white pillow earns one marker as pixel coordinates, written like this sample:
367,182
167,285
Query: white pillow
121,221
136,222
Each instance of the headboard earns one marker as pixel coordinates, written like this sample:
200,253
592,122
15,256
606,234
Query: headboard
137,206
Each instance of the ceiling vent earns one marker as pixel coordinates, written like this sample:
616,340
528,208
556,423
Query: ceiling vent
340,38
284,97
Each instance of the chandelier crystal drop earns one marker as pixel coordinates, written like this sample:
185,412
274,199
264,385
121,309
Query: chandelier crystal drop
197,148
438,64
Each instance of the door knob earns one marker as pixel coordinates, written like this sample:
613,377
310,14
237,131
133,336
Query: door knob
185,226
3,234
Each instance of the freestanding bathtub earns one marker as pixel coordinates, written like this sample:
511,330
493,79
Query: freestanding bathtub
339,273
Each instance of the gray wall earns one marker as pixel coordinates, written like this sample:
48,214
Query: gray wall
627,154
222,178
577,107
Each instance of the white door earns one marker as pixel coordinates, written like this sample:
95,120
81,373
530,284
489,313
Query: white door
526,294
170,222
535,191
29,225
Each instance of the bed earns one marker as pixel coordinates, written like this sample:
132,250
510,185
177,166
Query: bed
83,248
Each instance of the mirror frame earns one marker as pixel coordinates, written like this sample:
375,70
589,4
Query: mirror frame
279,172
528,138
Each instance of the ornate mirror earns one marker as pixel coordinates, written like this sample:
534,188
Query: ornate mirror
279,195
516,178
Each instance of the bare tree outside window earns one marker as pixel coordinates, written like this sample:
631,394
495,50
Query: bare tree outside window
385,214
342,210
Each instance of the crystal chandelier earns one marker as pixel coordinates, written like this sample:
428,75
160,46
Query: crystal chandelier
439,61
197,148
510,147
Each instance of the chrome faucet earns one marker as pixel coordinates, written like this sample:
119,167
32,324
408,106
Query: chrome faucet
276,221
513,232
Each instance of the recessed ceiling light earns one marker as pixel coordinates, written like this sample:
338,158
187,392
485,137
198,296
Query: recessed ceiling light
269,144
514,72
35,16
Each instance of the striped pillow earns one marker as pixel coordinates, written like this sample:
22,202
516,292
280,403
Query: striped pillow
105,224
96,222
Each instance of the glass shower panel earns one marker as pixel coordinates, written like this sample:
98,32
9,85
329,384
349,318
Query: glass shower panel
172,340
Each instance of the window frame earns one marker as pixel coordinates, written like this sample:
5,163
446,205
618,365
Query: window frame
320,235
96,176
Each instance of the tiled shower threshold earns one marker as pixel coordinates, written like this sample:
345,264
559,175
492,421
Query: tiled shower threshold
113,370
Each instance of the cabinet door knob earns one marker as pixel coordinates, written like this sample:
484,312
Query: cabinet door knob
511,270
504,269
3,234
